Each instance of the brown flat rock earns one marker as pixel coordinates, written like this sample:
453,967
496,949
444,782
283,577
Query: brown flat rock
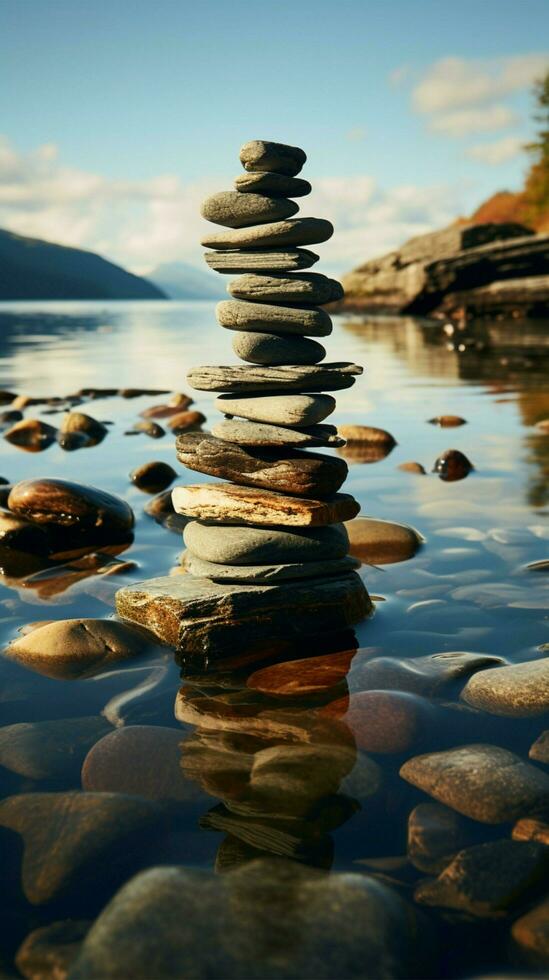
301,474
230,504
276,378
202,618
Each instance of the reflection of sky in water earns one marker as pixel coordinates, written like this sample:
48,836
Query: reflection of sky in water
410,376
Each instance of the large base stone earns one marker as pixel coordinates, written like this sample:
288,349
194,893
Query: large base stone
201,618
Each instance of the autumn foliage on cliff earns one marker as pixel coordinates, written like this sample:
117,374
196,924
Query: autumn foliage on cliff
530,206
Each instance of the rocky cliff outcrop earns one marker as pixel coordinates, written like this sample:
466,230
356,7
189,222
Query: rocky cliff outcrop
464,268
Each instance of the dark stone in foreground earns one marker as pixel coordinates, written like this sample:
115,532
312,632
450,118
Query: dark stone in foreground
301,474
272,919
282,378
201,618
80,509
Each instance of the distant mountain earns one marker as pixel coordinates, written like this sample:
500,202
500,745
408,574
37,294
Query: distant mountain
34,269
182,281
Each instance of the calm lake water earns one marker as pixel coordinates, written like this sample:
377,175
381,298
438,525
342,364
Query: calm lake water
467,589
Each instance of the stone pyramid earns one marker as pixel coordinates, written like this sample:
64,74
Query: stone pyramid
267,551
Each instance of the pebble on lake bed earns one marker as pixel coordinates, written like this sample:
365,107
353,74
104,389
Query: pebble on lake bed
76,647
32,435
448,421
358,434
517,690
381,542
153,477
452,465
48,952
412,467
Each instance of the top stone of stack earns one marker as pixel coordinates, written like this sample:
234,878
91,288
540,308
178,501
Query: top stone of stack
276,158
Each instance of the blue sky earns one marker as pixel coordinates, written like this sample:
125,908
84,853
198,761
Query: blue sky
116,117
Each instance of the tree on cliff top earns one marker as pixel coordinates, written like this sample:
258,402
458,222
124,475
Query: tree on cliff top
531,205
536,187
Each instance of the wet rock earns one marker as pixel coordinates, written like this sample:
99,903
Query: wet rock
539,750
268,574
229,545
436,675
9,417
256,378
140,760
299,678
484,782
487,880
412,467
381,542
18,534
266,156
543,425
248,433
518,690
530,829
76,647
436,834
204,618
234,210
231,504
186,422
298,473
292,778
333,926
270,318
161,509
139,392
31,434
448,421
299,410
268,348
308,287
366,434
452,465
261,260
275,234
83,511
48,953
153,476
385,722
78,422
531,934
167,411
71,441
49,749
277,185
75,841
149,428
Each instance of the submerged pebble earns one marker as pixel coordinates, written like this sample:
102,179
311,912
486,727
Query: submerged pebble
153,476
76,647
452,465
381,542
32,435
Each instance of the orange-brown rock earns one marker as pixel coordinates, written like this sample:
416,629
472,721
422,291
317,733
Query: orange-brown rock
298,678
186,422
381,542
365,434
230,504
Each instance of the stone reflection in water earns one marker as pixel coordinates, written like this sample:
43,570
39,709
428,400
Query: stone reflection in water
278,769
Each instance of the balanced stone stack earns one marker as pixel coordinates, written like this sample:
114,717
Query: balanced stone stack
267,549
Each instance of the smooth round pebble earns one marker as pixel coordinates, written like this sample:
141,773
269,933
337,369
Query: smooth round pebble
267,348
230,545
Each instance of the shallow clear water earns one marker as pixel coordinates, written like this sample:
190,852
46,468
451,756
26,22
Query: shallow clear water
467,588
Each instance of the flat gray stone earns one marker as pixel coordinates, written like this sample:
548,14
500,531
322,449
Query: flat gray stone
226,544
518,690
309,287
301,474
262,434
264,318
274,919
261,260
232,504
292,231
268,348
236,210
278,158
484,782
268,574
278,409
206,619
276,185
245,378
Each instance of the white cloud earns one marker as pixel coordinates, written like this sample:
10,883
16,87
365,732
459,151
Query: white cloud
498,151
452,83
357,133
464,122
142,223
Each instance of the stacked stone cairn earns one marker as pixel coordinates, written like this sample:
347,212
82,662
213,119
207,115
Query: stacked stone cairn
267,549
